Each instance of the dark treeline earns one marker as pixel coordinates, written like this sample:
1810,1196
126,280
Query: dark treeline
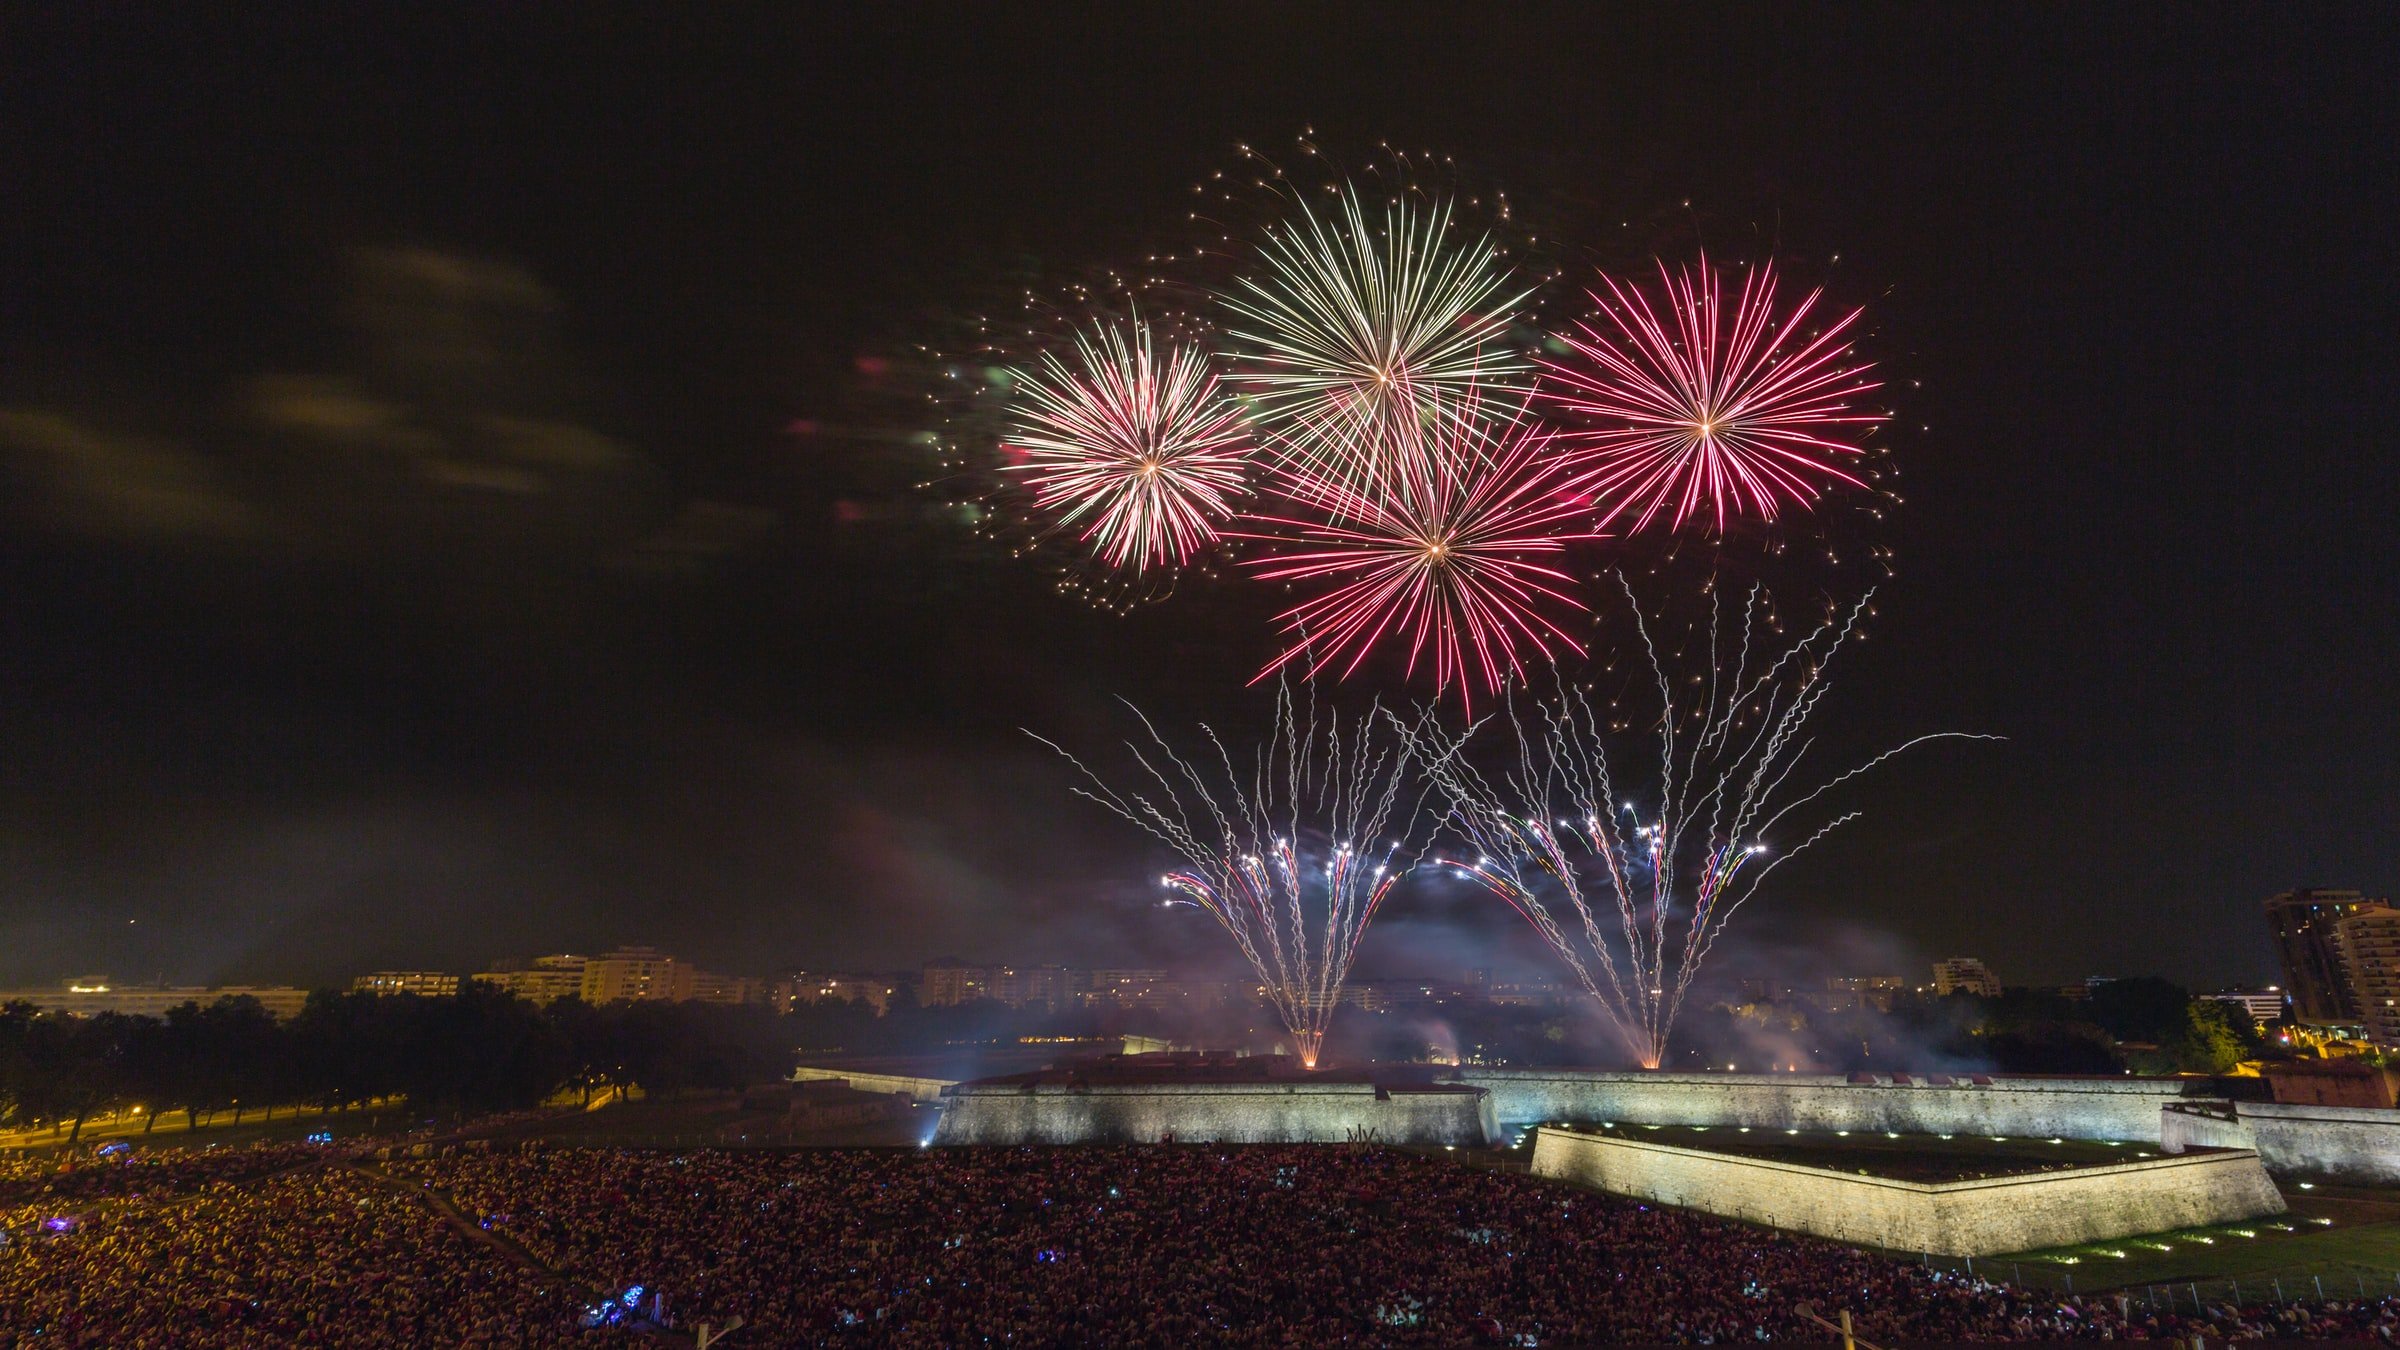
480,1051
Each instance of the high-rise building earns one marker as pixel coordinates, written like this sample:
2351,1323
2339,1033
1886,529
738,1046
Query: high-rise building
635,974
2303,922
2369,943
1965,975
948,982
547,980
2259,1005
423,983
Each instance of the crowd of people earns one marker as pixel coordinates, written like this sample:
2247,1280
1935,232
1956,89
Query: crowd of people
1274,1246
319,1255
123,1169
1133,1246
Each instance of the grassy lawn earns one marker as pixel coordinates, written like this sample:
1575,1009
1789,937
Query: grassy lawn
2343,1240
1901,1157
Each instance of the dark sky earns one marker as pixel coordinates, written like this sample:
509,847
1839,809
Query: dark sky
410,559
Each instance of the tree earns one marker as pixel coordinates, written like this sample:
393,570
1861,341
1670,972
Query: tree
2212,1039
2054,1047
81,1065
2143,1009
16,1064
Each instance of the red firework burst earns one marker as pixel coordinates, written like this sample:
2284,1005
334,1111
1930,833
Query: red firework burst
1707,410
1446,552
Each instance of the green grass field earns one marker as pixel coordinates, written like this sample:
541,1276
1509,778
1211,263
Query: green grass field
2350,1240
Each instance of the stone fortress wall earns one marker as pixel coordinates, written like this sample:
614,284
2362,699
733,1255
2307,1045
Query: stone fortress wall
1960,1218
2339,1143
1273,1112
2125,1109
2347,1143
918,1089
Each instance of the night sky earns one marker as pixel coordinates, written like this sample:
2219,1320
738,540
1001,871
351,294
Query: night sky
458,489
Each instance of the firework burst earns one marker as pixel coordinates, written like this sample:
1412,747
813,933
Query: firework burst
1369,318
1698,405
1449,550
1134,444
1559,843
1291,849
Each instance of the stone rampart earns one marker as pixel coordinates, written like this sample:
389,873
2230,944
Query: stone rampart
1272,1112
2340,1143
2068,1108
918,1089
1960,1218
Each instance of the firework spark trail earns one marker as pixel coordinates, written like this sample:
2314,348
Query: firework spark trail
1448,549
1140,442
1556,836
1282,851
1701,410
1360,321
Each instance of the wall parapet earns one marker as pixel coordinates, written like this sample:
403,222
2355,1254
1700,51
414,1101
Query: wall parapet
2071,1108
2341,1143
918,1089
1274,1112
1976,1217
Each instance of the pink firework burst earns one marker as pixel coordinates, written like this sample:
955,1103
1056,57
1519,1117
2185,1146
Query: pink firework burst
1704,408
1448,553
1136,445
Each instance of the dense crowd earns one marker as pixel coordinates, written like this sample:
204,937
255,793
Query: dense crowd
1161,1246
317,1256
1251,1246
121,1169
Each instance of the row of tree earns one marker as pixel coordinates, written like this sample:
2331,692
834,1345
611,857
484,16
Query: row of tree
477,1052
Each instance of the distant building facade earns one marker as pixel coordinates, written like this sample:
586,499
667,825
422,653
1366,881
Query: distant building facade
809,987
90,995
948,982
635,975
1866,991
1051,987
2303,922
2368,942
703,986
2259,1005
1965,975
1124,987
545,981
424,983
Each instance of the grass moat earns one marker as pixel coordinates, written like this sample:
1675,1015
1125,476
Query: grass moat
1927,1158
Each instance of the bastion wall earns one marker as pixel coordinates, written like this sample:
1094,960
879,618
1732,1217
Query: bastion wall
2066,1108
1960,1218
1233,1113
918,1089
2340,1143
